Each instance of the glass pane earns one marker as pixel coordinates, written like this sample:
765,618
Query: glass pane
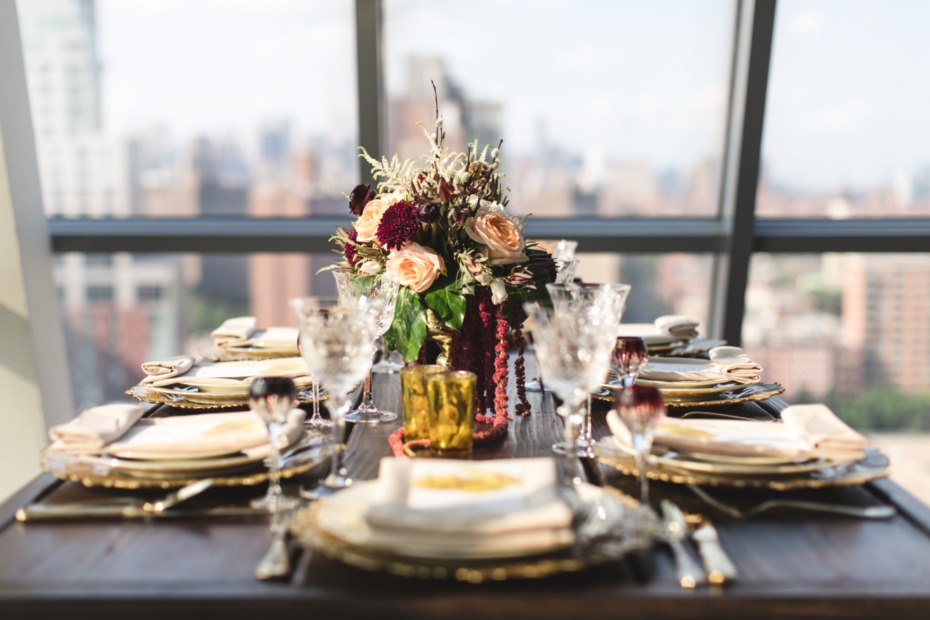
605,108
851,331
846,126
662,283
247,108
135,308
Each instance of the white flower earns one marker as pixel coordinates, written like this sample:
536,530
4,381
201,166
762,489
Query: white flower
370,267
498,291
483,278
439,122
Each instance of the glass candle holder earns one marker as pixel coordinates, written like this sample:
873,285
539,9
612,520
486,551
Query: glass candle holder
415,400
451,412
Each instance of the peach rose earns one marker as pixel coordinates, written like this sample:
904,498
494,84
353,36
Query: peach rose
367,223
414,266
499,234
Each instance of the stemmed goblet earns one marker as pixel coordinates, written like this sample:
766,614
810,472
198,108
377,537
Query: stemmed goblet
337,345
381,288
573,358
301,306
601,303
630,356
272,398
640,407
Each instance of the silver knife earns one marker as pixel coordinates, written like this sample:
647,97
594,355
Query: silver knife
160,507
689,571
720,568
73,512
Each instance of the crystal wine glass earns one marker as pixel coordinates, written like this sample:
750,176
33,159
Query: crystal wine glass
351,287
272,398
603,303
630,356
337,345
573,358
641,407
301,306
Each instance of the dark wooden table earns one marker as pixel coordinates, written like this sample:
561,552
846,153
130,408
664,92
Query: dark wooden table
792,565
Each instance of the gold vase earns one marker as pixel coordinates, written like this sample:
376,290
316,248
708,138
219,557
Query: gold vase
441,334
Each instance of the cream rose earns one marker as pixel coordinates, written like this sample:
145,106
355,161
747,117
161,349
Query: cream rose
414,266
499,234
367,223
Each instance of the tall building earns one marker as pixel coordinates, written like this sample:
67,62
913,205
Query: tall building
886,302
114,306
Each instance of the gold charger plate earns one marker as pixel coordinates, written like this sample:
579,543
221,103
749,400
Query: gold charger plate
754,392
779,478
111,473
183,399
621,536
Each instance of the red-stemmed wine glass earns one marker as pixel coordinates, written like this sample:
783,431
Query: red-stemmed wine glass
640,408
630,355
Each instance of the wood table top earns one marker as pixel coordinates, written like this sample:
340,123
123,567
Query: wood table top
792,564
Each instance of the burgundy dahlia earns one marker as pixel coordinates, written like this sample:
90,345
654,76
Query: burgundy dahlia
398,225
360,197
349,250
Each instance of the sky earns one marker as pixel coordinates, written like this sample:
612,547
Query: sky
619,79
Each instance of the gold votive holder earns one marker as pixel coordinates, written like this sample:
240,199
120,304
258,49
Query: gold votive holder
415,401
451,412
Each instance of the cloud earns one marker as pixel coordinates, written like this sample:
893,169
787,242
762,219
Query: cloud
805,24
843,117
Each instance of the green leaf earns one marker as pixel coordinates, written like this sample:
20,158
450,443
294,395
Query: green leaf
408,330
447,302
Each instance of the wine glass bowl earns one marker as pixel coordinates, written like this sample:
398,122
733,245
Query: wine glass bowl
573,358
337,345
382,292
629,358
641,407
272,398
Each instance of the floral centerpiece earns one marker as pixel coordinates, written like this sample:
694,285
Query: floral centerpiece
440,228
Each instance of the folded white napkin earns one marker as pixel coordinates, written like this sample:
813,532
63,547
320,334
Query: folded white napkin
830,437
501,505
203,435
736,364
165,369
235,375
806,432
727,364
270,338
233,330
678,325
665,330
93,428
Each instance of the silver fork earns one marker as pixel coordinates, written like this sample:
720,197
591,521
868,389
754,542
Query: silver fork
882,511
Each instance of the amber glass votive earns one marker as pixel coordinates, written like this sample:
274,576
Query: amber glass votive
451,412
415,401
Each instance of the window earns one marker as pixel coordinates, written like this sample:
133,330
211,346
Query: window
846,106
605,109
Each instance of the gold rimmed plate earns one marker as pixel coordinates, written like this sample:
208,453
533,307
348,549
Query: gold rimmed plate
804,475
336,527
749,393
118,474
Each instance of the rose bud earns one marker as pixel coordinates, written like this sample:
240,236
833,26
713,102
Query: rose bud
360,197
428,212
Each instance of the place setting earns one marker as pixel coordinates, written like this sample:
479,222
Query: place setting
114,446
726,376
189,383
241,338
